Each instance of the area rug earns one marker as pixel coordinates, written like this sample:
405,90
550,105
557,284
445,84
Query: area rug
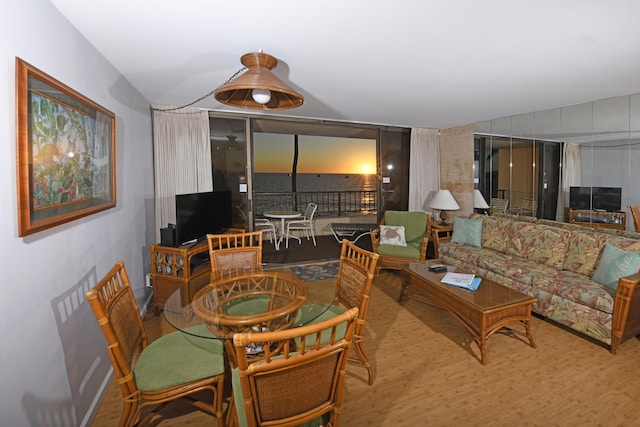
316,271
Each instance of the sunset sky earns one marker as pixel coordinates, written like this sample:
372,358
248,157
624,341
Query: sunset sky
274,153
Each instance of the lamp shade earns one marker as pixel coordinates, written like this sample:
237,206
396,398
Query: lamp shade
258,88
478,200
444,201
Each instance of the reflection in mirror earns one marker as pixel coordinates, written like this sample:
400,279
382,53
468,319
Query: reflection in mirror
595,144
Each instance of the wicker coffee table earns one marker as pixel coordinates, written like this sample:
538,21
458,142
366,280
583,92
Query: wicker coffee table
482,312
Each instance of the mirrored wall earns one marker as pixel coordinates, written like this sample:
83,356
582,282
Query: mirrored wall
595,145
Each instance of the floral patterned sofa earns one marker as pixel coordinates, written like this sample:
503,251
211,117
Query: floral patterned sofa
563,265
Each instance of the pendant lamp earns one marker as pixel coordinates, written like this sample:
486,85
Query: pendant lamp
258,88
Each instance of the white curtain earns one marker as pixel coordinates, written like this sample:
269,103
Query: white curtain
182,158
570,176
424,167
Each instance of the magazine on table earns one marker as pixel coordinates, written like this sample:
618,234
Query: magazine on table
462,280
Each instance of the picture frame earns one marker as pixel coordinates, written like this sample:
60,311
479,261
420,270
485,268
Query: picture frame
66,147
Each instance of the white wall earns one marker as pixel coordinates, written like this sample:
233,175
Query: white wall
47,352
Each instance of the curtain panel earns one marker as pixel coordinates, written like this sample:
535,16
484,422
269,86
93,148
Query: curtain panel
182,158
424,167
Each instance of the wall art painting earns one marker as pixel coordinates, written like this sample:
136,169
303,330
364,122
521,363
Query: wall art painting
66,152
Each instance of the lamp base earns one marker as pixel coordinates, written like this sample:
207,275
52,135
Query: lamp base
443,217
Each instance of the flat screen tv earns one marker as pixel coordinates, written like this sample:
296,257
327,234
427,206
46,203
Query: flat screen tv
198,214
596,198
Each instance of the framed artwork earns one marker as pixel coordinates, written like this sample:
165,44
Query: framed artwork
66,152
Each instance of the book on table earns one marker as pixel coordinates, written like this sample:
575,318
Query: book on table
462,280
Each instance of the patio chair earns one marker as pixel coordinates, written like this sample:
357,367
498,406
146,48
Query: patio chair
398,249
353,284
498,205
298,383
267,227
174,366
305,225
235,253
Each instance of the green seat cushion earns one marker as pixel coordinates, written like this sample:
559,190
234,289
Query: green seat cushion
247,306
179,358
412,250
467,231
310,314
615,263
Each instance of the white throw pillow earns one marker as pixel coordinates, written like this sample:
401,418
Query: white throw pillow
392,235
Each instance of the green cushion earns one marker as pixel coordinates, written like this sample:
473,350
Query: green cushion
246,306
315,313
467,231
614,264
415,223
412,250
179,358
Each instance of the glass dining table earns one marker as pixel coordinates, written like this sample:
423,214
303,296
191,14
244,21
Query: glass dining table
252,301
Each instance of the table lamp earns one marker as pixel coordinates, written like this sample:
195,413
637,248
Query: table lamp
444,201
479,202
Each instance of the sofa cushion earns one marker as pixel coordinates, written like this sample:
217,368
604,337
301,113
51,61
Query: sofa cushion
461,252
583,251
392,235
495,233
615,263
539,243
468,231
577,288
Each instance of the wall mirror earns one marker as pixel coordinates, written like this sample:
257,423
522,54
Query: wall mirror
593,145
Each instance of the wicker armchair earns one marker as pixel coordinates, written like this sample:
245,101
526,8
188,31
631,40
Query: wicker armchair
353,284
174,366
235,253
417,227
298,383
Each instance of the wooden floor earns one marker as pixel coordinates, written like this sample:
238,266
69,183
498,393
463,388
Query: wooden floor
428,373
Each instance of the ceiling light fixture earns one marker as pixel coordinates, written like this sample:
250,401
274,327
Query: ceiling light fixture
258,88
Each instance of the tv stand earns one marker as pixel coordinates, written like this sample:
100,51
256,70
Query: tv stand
597,218
185,268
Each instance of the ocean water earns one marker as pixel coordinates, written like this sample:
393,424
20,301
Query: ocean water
281,182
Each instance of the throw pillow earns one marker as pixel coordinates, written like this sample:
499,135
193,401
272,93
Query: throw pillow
392,235
614,264
467,231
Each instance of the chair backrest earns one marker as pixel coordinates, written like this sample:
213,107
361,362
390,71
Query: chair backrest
635,212
116,310
295,384
355,276
310,211
499,205
416,223
235,253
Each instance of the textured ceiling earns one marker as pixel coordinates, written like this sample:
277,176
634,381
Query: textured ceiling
415,63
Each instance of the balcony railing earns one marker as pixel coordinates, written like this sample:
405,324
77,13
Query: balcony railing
330,203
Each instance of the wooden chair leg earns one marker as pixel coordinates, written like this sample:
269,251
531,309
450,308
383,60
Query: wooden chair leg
363,358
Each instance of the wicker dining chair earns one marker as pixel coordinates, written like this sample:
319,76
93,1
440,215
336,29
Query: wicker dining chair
174,366
355,275
235,253
298,383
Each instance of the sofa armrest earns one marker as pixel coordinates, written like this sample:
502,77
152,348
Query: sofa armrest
626,311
